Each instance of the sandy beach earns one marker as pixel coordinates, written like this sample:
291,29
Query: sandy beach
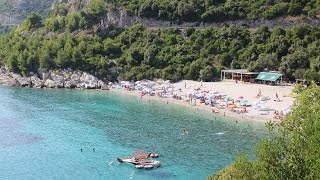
230,94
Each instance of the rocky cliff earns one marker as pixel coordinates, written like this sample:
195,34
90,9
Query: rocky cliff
52,79
120,18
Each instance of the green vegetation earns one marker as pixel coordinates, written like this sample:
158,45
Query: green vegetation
219,10
293,150
75,40
80,40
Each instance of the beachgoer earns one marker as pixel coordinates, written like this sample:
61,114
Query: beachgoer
81,149
277,98
201,84
167,102
185,85
224,114
259,93
244,109
276,114
184,131
93,150
281,113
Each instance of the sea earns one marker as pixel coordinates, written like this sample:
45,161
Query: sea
78,134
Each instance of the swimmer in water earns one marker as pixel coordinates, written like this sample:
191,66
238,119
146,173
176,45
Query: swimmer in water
184,132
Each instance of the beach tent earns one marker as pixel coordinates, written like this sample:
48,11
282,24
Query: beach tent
268,76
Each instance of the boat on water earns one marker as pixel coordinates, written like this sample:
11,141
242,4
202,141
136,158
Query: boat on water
140,160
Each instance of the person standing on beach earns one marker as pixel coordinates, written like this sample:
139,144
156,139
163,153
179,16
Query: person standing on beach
259,94
277,98
185,85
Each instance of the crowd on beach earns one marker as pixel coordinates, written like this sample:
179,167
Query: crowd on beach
200,96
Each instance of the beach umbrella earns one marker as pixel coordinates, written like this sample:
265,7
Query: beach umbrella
227,99
244,101
209,96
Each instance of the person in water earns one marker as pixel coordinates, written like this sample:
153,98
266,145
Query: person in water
185,132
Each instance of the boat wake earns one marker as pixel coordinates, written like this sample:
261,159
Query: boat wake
221,133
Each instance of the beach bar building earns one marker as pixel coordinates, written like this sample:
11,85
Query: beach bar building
271,77
239,75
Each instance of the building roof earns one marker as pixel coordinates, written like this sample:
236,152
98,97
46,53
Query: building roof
235,71
267,76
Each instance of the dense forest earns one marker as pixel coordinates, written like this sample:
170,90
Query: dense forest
72,40
291,152
219,10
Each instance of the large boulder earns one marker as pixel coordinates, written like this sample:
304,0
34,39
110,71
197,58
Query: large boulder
101,84
36,82
6,79
88,81
57,77
75,77
53,84
24,81
70,84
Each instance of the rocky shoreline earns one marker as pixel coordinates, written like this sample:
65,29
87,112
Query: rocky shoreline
52,79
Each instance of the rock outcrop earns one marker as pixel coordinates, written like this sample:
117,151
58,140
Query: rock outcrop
52,79
120,18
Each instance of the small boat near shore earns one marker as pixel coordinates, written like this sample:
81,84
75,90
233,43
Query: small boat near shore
140,160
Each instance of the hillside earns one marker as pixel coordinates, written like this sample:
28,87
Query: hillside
14,11
80,39
219,10
83,36
175,12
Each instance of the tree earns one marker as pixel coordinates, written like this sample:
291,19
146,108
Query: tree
265,61
97,10
52,24
291,62
207,73
33,21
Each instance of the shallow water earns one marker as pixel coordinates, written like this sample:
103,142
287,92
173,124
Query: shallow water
42,132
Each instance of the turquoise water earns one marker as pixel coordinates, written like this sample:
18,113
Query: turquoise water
42,132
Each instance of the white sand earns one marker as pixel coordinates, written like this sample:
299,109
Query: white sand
233,90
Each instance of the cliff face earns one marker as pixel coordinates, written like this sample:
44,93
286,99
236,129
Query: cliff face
120,18
12,12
